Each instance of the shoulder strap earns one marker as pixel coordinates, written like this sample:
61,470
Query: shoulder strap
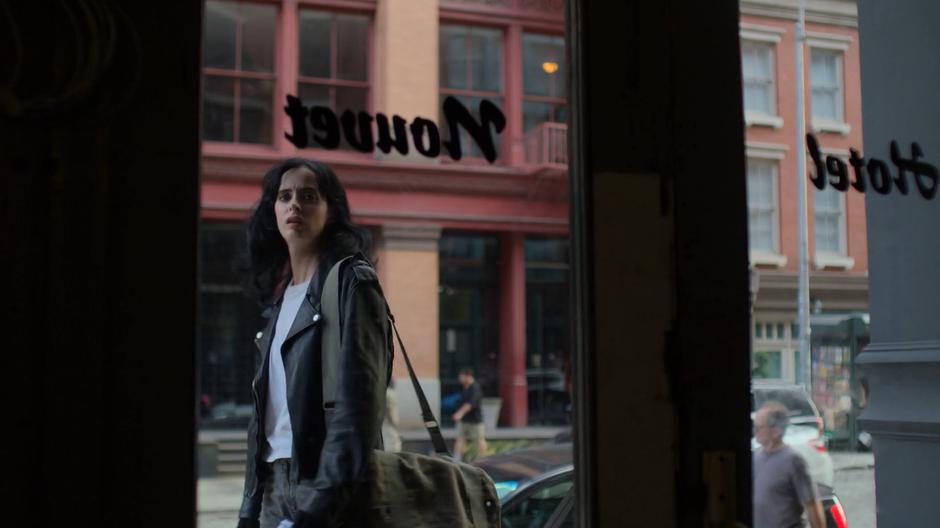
331,349
330,341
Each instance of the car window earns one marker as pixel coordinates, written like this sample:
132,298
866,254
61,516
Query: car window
794,400
534,510
569,521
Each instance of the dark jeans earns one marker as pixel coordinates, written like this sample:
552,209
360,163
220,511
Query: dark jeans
280,500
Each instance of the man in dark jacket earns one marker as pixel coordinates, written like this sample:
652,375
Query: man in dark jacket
469,416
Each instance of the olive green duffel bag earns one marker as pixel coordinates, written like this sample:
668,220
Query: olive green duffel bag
408,490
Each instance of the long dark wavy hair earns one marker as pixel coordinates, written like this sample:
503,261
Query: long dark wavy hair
268,256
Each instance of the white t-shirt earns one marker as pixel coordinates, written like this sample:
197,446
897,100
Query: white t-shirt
276,416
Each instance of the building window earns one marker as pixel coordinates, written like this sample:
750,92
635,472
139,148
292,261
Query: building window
469,311
762,205
775,348
548,358
543,80
334,61
229,319
829,214
757,64
826,80
238,56
471,69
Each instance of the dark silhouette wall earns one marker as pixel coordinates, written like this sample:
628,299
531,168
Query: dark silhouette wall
100,160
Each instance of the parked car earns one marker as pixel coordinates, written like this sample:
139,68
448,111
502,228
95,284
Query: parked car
806,433
535,485
536,488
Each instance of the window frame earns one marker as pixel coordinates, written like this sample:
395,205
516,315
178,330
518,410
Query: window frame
772,156
768,36
553,100
237,75
834,259
501,99
837,46
333,82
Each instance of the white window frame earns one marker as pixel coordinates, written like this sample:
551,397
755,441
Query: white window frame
772,154
829,259
837,45
766,36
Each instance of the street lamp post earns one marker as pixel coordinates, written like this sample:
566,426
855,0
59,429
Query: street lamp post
803,370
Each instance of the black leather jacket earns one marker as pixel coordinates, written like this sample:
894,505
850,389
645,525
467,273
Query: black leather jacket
330,448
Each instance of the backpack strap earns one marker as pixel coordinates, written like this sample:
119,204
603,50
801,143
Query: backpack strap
331,348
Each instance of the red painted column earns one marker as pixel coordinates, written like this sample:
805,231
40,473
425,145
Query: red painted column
512,351
288,60
513,135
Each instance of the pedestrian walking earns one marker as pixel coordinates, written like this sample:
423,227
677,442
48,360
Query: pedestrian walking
783,489
305,456
469,416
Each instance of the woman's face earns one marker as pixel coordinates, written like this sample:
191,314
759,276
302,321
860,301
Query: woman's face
300,210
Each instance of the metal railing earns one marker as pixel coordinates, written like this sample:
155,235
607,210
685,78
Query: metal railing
547,144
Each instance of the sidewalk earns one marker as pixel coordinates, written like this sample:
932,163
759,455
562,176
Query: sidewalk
219,494
842,461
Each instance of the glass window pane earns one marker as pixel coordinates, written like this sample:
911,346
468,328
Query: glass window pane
258,37
825,104
218,109
255,111
768,364
219,41
352,41
543,65
453,57
534,114
315,95
315,50
757,98
761,233
355,99
486,47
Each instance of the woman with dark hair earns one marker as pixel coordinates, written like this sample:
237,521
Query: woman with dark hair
306,456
